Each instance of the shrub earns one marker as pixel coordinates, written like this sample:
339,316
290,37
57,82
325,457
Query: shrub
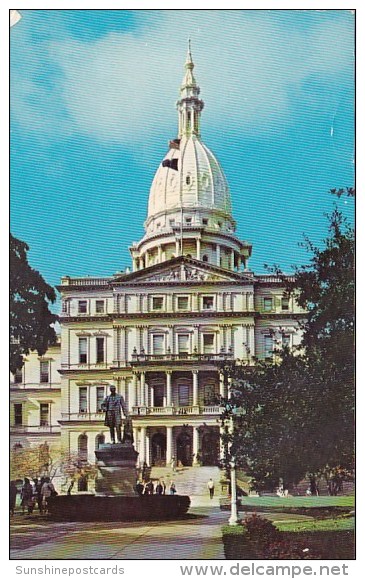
284,549
260,530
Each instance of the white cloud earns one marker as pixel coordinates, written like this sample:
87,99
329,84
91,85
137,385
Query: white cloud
122,87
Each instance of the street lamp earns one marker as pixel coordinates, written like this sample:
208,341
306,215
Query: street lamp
233,519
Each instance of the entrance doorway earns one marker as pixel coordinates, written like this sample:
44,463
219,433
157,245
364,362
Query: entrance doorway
184,453
210,448
159,449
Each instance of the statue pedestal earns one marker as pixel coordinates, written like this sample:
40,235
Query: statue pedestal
117,474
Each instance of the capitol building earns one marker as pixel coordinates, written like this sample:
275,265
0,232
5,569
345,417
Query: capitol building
160,331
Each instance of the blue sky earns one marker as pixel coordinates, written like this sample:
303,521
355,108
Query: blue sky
93,97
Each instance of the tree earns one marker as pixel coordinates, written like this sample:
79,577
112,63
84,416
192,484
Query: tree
296,416
30,318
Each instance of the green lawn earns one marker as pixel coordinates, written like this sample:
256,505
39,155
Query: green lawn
308,502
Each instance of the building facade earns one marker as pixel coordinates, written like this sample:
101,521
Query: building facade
161,332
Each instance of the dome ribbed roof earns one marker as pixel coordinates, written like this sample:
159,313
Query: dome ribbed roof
189,176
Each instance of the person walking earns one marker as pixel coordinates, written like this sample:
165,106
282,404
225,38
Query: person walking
12,496
159,488
27,496
47,491
148,488
173,464
172,488
210,486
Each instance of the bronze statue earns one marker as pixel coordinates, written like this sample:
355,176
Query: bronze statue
113,405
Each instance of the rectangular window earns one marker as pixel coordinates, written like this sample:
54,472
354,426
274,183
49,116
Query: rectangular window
100,306
286,340
205,221
267,304
82,350
158,344
64,307
208,302
183,395
208,343
44,371
172,222
268,347
183,343
284,304
157,303
18,376
82,399
100,395
159,393
44,414
188,220
18,414
182,303
100,347
82,307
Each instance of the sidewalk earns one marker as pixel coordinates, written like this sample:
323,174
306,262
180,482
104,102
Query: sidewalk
198,536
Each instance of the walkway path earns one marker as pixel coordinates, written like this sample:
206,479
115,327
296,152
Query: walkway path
198,536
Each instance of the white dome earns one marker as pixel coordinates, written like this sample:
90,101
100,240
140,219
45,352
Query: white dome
189,177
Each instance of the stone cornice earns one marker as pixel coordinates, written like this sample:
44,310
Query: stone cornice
158,315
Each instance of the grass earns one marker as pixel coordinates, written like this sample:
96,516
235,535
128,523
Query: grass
307,502
332,536
340,524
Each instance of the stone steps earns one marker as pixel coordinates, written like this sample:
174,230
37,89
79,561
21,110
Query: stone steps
190,481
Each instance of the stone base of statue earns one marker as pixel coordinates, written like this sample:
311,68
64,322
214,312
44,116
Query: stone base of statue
115,497
117,474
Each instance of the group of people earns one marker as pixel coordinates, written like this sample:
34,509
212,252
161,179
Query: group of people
148,488
32,493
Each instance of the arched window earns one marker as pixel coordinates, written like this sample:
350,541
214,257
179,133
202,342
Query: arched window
205,258
100,439
82,447
188,255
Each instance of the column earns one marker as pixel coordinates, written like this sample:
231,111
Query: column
135,265
122,303
143,389
169,449
122,387
251,333
135,431
168,389
122,340
170,343
228,301
142,445
222,386
244,299
195,304
195,444
195,388
159,254
152,396
218,255
177,247
198,248
116,334
147,452
145,339
232,259
116,303
220,302
196,339
133,392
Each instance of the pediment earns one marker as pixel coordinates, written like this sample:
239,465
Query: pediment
182,269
